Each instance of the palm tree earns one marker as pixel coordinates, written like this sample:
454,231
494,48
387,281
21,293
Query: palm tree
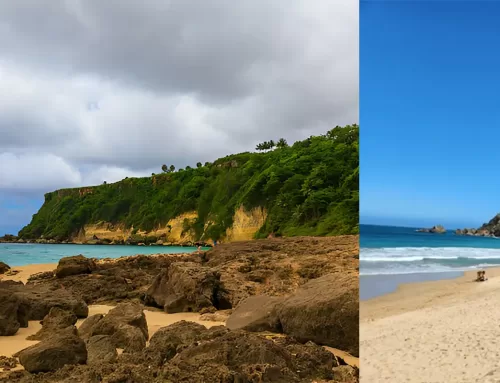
172,168
164,168
282,143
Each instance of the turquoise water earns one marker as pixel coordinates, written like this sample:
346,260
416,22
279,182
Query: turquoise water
399,250
20,254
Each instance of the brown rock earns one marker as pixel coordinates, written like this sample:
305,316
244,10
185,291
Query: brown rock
4,268
127,326
219,316
101,348
75,265
346,374
9,313
186,287
238,355
53,353
6,363
326,311
39,299
256,313
56,322
165,342
85,329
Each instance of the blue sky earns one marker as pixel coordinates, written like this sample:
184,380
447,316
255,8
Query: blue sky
429,112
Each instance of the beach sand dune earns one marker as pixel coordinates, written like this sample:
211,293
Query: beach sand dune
433,332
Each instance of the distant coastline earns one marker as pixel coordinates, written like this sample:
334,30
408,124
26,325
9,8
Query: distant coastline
12,239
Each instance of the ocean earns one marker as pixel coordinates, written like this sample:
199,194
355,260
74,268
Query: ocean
390,256
20,254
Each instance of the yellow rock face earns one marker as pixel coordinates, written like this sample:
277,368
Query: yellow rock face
245,225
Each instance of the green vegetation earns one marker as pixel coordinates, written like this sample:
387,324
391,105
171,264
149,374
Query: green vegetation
308,188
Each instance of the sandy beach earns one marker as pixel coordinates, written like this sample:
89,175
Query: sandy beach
433,332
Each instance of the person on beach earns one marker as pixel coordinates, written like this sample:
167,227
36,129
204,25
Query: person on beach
481,276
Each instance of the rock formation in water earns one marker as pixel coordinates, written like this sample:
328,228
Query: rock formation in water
438,229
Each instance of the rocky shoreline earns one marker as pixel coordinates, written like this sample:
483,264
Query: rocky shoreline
131,241
283,299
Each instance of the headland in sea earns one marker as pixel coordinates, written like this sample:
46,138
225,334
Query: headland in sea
166,317
421,310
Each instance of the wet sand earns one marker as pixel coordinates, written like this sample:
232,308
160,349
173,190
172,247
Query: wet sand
433,332
372,286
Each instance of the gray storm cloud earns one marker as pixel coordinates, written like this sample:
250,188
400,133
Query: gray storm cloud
98,90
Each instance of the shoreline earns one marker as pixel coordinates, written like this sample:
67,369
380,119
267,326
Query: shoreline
208,246
376,285
420,331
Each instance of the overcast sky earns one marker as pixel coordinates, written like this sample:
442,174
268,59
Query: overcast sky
94,90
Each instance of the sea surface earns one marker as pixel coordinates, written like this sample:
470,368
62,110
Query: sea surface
20,254
390,256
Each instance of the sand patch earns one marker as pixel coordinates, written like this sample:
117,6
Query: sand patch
432,332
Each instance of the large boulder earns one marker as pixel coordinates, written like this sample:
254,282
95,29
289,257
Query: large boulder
126,325
100,348
166,341
326,311
9,313
41,298
85,329
53,353
239,356
256,313
186,287
56,322
4,268
74,265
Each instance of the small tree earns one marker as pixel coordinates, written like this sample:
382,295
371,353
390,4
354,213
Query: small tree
281,143
164,168
260,147
188,167
172,168
199,165
271,144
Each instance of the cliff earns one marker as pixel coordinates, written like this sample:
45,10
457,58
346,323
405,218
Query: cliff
309,188
490,229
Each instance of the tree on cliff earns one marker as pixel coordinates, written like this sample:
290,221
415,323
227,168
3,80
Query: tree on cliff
199,165
164,168
172,168
266,145
281,143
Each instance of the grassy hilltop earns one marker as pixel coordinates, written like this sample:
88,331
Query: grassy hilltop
308,188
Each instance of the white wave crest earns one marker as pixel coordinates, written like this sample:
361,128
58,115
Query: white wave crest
412,254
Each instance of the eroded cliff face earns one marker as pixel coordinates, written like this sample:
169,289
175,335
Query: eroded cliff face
245,225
